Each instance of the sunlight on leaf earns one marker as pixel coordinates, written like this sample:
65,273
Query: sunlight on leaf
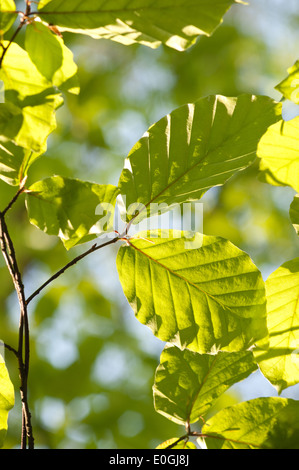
205,299
262,423
7,17
69,208
194,148
279,154
7,399
175,24
280,364
187,384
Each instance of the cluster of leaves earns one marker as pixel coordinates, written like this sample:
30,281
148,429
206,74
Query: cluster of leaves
203,296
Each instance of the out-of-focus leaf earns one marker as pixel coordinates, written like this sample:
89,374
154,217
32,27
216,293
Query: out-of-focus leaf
279,153
262,423
7,15
294,213
203,294
7,399
74,210
280,364
194,148
51,57
175,24
187,384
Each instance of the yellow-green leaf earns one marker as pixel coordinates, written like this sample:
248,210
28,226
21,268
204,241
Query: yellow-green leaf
51,57
28,115
279,153
194,148
68,208
204,295
280,364
7,15
7,399
176,24
14,162
262,423
289,87
187,384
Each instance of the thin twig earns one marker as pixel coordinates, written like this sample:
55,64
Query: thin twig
9,348
9,255
93,249
15,198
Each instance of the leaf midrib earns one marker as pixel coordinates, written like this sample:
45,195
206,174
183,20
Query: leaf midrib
207,294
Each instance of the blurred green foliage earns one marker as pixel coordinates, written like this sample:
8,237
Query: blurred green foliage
92,364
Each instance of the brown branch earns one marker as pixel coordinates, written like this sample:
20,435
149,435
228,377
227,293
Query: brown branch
15,198
9,255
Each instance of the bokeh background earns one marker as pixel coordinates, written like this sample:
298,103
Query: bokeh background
92,363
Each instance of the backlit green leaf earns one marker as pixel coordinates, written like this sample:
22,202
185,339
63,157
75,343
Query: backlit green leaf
262,423
279,154
7,399
194,148
74,210
294,213
289,87
174,23
14,162
7,15
280,364
51,57
187,384
28,114
203,294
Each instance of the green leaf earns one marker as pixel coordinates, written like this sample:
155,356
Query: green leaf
262,423
7,399
14,162
194,148
289,87
279,154
28,115
176,24
187,384
203,294
294,213
176,443
51,57
280,364
74,210
7,15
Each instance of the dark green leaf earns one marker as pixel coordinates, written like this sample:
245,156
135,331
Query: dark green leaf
294,213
